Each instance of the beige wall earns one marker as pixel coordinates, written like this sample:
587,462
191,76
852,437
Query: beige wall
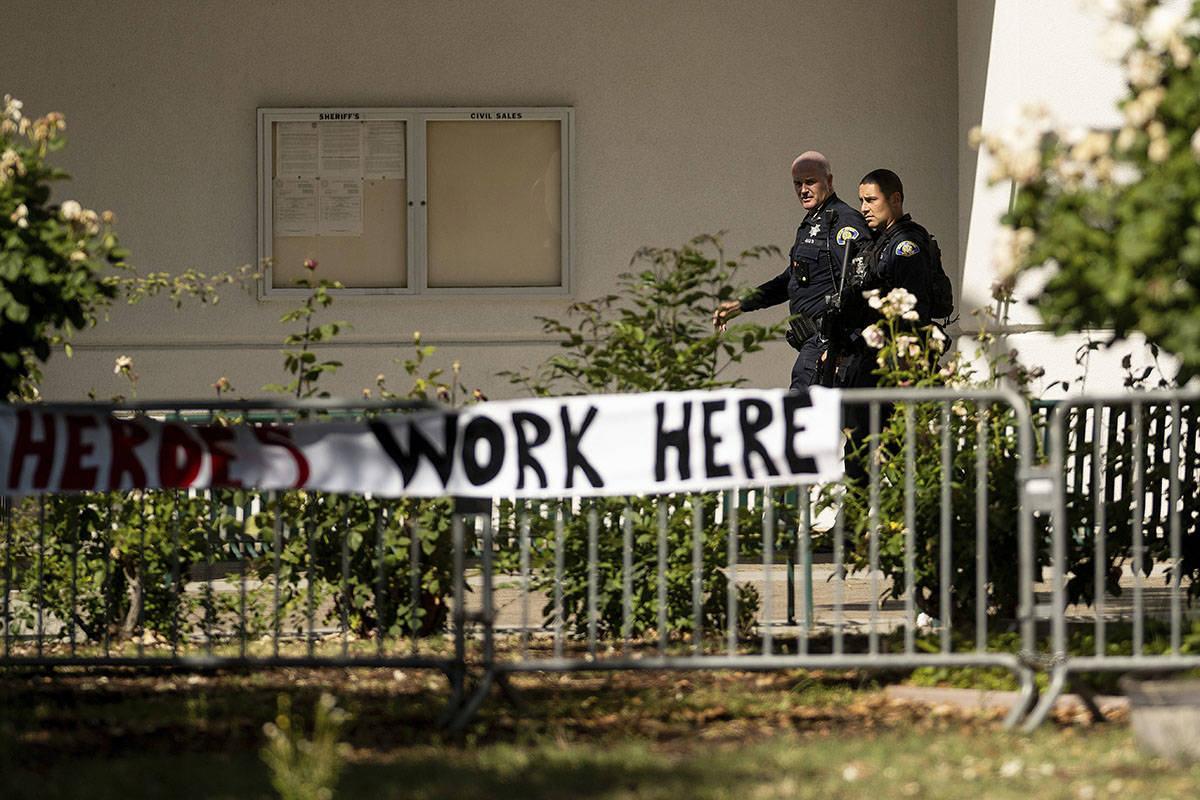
687,117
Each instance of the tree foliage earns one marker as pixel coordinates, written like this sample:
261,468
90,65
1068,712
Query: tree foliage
656,332
1114,221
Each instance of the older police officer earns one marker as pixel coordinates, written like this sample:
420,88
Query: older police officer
830,227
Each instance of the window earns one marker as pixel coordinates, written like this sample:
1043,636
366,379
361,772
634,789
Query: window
404,201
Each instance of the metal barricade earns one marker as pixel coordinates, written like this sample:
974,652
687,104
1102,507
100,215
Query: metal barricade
1126,512
948,544
229,578
664,582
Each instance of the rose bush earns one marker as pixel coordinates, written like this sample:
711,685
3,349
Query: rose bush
53,256
911,355
1112,222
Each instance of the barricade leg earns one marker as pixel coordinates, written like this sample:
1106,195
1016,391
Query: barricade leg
1058,679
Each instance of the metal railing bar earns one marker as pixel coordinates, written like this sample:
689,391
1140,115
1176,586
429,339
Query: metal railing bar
1176,535
768,561
731,589
910,523
981,526
661,562
874,459
946,565
697,569
1137,534
1099,491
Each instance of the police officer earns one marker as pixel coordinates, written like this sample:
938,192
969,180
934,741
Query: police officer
814,271
899,253
897,256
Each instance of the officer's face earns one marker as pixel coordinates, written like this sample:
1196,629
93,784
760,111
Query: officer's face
813,184
878,210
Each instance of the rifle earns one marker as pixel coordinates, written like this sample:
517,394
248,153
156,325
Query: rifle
830,323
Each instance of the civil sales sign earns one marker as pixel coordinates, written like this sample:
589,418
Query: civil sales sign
616,444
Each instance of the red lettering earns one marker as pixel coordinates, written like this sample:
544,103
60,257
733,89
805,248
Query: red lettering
219,456
75,475
26,445
179,457
282,437
126,436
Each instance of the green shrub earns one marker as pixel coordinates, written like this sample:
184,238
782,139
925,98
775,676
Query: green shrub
910,356
111,565
656,334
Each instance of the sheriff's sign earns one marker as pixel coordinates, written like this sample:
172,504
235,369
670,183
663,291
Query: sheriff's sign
590,445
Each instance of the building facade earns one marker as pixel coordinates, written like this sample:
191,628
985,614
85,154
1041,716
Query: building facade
684,120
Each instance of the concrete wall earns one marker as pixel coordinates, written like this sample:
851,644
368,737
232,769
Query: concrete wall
688,115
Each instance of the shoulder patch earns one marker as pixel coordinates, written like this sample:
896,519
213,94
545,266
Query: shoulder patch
907,248
846,234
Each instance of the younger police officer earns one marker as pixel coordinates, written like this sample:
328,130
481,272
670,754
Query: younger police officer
898,256
815,266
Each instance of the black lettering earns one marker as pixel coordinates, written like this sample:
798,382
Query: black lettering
485,430
418,446
575,458
793,402
711,468
677,438
541,432
753,416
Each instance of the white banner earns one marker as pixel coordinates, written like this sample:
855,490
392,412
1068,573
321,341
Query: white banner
624,444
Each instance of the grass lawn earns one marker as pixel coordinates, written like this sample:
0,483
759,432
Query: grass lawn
625,735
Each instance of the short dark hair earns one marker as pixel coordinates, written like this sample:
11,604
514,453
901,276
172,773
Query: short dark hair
887,181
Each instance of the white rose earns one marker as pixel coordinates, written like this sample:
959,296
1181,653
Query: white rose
70,210
1116,41
1144,69
12,108
1163,24
873,336
901,300
1126,174
1158,151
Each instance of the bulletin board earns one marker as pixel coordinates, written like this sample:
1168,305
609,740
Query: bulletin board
407,200
338,194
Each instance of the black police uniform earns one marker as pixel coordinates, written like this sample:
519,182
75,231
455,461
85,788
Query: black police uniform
815,258
901,258
898,257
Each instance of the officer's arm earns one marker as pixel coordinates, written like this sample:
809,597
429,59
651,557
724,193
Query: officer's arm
767,294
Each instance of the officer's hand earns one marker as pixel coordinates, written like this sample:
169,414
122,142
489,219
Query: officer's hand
725,312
